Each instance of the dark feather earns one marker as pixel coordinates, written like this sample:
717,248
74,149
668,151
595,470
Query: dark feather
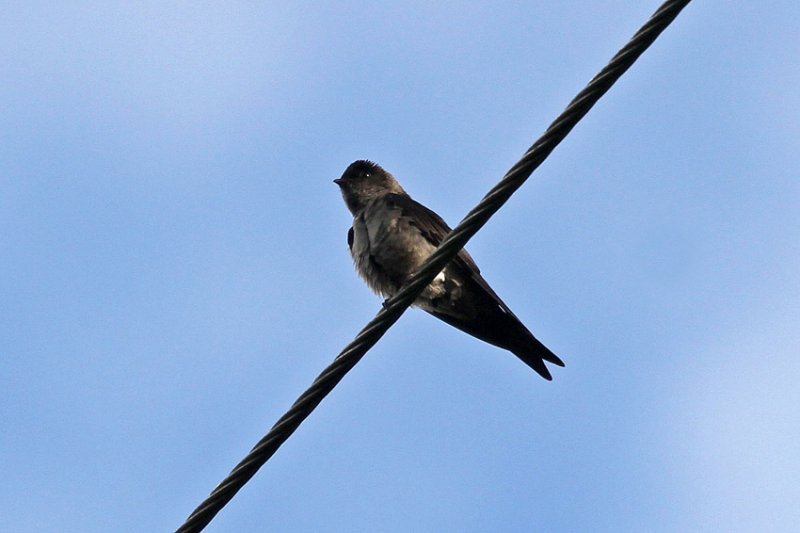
491,321
430,225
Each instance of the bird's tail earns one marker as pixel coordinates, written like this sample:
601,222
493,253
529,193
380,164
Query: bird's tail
533,353
504,330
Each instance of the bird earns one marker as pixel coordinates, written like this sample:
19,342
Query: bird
392,235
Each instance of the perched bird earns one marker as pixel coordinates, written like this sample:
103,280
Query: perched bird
391,237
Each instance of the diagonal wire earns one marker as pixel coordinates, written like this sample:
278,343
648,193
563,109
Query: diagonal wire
394,307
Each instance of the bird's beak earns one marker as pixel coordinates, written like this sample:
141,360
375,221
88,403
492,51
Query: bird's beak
338,181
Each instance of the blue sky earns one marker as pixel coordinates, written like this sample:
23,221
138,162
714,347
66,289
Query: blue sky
175,270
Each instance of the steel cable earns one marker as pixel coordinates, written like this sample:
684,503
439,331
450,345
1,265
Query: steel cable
394,307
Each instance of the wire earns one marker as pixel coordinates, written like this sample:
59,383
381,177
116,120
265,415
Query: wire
394,307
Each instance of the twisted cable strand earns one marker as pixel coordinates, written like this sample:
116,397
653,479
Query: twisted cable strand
394,307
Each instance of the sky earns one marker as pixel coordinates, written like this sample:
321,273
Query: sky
174,269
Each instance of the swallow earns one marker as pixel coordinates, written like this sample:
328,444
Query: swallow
392,235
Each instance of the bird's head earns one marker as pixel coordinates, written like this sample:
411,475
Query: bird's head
364,181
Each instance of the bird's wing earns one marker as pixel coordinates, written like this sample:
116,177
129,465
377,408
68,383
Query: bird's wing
430,225
435,229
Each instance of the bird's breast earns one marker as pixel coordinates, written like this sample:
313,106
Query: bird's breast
387,248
